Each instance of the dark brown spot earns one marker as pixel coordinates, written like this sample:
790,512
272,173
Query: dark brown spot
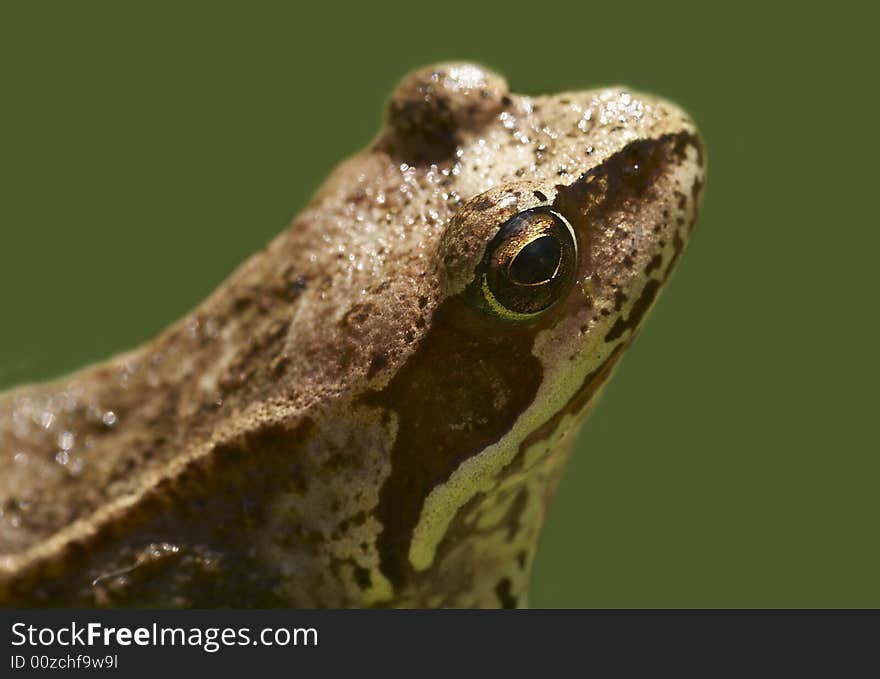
379,361
362,577
696,190
242,302
654,264
358,314
681,200
503,590
639,308
690,140
678,246
279,364
513,517
294,288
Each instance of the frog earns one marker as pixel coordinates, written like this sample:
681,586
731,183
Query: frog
375,410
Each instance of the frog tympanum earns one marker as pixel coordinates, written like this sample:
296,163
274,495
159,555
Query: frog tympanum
376,408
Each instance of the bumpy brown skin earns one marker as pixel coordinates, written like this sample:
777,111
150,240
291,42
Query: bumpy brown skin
278,445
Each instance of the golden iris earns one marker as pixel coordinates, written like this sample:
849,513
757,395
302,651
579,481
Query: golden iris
529,264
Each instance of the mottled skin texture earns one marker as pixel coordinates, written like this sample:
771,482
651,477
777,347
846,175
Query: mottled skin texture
341,423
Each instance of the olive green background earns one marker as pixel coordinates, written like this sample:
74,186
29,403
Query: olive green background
148,148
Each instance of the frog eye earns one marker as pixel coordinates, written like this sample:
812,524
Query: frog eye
529,264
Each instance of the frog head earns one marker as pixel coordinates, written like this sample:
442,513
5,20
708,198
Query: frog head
571,211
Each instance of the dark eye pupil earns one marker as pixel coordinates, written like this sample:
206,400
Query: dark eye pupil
537,262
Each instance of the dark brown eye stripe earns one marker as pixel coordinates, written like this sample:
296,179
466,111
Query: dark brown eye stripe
622,179
460,392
